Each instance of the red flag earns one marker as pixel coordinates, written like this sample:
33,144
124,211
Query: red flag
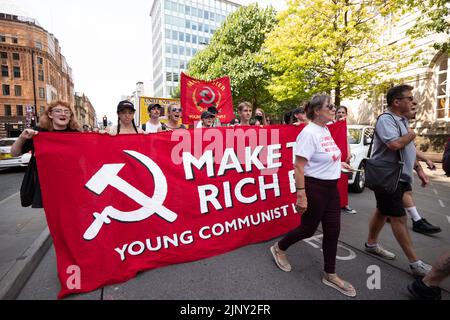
119,205
339,132
197,96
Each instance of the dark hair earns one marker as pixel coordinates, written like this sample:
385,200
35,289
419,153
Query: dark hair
397,92
316,103
287,118
342,107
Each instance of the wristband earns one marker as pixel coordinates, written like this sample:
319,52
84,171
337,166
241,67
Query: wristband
300,188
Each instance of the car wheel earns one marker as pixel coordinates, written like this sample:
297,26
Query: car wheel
359,184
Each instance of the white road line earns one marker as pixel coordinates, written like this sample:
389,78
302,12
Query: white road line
11,196
441,203
448,218
435,191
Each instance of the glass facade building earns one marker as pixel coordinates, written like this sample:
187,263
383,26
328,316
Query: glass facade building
179,29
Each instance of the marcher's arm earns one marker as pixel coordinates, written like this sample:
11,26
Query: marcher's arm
421,174
16,148
401,142
299,169
422,157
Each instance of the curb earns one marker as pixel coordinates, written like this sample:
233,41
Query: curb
13,282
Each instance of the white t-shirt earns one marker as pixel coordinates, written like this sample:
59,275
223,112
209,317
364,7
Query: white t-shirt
316,145
151,128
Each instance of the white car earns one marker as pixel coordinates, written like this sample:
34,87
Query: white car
7,160
359,138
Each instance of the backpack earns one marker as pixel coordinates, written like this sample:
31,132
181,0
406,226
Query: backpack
446,159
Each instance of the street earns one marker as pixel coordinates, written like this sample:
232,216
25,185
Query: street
250,273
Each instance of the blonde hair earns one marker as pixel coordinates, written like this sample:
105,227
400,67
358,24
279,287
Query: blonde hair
46,123
244,104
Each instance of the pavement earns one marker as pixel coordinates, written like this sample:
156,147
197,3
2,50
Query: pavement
28,267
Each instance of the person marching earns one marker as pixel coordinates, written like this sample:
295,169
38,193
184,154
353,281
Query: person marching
125,122
317,170
58,117
153,125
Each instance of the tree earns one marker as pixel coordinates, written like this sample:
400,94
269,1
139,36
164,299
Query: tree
328,46
434,18
233,51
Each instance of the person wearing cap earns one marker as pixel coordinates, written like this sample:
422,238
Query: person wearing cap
215,112
125,121
299,116
207,119
153,125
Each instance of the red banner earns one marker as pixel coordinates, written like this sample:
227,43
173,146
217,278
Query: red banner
196,96
123,204
339,133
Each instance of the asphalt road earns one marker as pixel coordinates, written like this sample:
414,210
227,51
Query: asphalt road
249,273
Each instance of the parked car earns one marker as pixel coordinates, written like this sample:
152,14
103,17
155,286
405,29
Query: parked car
359,138
7,160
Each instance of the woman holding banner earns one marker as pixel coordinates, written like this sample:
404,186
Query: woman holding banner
58,117
125,121
317,170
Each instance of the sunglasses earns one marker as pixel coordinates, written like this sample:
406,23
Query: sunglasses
176,110
330,106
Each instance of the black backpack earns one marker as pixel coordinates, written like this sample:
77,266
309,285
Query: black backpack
446,159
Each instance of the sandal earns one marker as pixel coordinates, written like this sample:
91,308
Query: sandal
332,280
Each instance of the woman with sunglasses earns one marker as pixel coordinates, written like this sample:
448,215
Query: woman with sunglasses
58,117
317,170
125,121
173,117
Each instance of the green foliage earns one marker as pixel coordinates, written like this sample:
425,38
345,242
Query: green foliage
434,18
328,46
233,51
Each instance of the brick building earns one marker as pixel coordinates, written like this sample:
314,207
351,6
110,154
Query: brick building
84,111
33,72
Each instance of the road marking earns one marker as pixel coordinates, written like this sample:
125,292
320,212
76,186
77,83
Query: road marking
11,196
448,218
441,203
435,191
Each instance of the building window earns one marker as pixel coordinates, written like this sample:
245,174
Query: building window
40,60
19,110
41,110
5,72
41,93
16,56
15,40
38,45
8,110
2,38
17,91
4,55
443,88
16,71
41,75
5,89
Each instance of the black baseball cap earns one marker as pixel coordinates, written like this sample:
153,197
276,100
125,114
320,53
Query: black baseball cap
207,114
299,110
213,110
125,104
153,105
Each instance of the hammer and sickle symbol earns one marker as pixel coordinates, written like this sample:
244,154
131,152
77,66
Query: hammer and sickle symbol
107,176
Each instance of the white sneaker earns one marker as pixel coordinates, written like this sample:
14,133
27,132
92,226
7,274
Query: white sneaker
421,269
380,251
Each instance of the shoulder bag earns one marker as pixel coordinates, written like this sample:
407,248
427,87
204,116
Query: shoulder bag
381,175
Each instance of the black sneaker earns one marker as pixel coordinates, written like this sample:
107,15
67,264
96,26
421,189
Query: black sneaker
420,291
424,227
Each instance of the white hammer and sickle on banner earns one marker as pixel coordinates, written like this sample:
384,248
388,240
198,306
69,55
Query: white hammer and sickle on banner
107,176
